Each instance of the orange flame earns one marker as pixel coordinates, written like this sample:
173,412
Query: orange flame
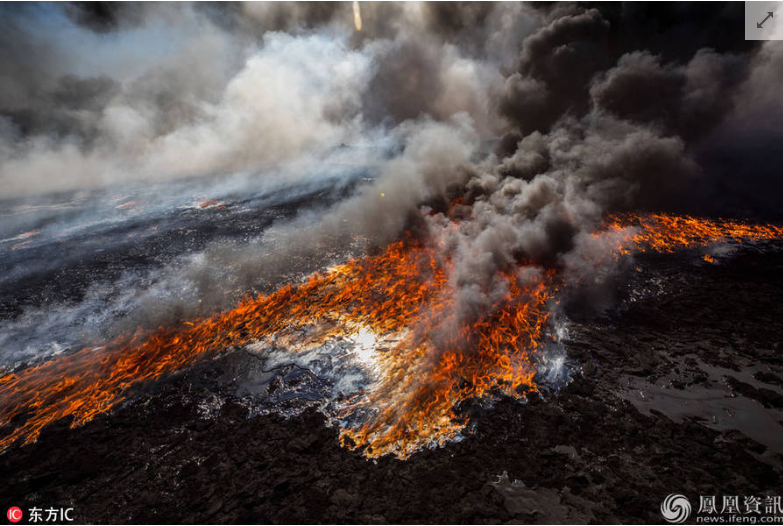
428,357
402,294
667,233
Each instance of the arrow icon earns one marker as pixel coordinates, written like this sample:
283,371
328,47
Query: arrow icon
760,24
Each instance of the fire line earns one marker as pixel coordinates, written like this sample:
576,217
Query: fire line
431,358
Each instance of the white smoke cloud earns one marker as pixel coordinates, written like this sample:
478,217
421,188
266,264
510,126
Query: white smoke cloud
222,91
294,96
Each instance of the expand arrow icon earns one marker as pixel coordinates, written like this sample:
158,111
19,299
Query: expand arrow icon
769,15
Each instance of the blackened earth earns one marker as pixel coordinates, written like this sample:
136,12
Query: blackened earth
599,450
61,267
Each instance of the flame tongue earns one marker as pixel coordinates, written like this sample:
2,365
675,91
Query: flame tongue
414,403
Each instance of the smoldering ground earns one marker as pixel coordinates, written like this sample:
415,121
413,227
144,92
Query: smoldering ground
594,109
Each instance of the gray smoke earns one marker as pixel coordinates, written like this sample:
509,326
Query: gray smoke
599,125
150,92
593,110
433,162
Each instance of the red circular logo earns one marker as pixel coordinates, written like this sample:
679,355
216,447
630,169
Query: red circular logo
14,514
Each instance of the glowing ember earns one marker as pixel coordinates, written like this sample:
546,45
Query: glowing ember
24,244
399,311
214,203
129,205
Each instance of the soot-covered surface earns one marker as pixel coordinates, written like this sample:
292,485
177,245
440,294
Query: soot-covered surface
678,391
86,259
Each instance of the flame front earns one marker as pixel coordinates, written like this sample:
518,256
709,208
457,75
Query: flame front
402,294
428,357
667,233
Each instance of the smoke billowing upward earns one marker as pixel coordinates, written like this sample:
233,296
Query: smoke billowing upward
590,109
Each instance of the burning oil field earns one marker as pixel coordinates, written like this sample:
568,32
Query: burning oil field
390,263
